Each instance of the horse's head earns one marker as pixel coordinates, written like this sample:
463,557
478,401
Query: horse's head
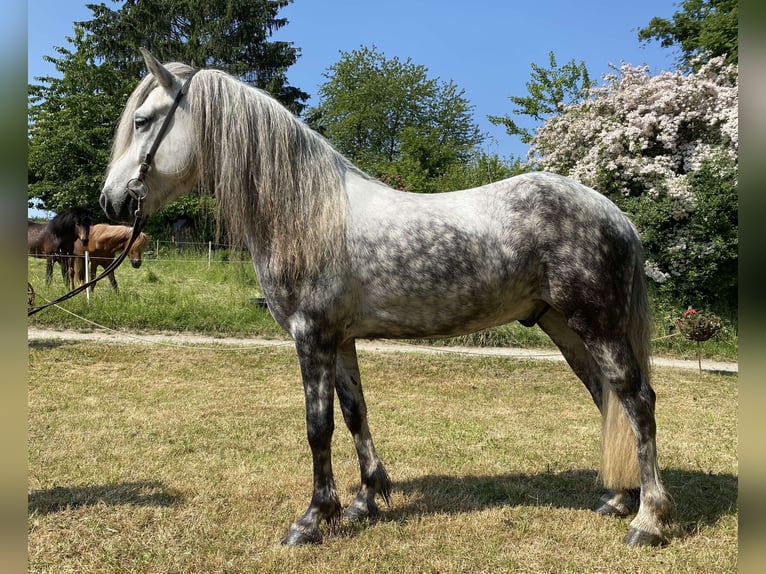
82,227
138,247
171,169
70,225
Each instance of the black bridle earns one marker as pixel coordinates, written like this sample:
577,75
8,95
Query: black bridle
137,189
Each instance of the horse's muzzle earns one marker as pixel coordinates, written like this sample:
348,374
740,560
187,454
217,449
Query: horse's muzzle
122,212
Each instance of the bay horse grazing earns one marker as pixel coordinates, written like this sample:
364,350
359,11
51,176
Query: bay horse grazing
55,240
105,242
340,256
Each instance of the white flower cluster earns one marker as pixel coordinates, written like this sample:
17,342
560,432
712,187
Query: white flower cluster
643,135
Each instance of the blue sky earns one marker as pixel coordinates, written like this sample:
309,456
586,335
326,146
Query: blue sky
485,47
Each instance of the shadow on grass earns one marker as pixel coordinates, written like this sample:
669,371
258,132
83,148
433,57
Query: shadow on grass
51,343
143,493
732,374
700,498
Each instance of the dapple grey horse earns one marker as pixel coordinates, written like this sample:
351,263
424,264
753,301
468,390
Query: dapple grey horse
341,256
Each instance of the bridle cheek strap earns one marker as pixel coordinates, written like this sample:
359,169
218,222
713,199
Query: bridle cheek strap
136,187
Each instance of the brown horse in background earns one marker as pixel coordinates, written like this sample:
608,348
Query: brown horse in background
56,240
105,242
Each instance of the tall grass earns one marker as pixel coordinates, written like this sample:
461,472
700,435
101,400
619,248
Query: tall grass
180,290
177,291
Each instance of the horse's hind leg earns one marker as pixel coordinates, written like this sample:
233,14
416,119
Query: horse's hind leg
629,398
576,354
374,478
616,502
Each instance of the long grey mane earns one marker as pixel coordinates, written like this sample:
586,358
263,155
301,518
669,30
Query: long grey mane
276,181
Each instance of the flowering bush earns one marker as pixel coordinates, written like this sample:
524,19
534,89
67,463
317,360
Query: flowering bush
697,327
642,134
665,149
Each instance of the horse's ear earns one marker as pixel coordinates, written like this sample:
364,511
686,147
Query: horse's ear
164,77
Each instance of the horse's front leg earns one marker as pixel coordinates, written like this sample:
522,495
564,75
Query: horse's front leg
374,478
65,271
113,281
73,271
317,363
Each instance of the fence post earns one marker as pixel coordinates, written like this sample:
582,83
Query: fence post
87,274
209,253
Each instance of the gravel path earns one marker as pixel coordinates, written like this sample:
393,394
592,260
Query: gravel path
378,345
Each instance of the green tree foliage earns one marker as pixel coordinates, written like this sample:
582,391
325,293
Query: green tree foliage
71,118
550,91
699,246
481,169
391,119
701,30
71,121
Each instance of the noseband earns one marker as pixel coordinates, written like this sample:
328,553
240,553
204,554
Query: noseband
137,189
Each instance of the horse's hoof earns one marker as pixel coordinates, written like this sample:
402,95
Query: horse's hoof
295,537
358,513
606,509
617,503
636,537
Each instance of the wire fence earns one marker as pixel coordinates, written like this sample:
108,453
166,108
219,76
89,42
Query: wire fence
175,252
158,252
188,251
179,251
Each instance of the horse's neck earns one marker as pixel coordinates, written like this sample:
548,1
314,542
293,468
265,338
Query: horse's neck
66,238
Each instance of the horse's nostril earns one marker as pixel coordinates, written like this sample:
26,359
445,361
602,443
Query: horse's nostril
84,241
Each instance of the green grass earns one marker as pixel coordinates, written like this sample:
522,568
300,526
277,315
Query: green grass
182,292
154,459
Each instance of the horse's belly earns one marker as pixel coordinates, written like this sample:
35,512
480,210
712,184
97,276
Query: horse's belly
440,314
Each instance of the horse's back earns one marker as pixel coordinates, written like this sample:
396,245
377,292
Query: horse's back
105,240
36,238
460,261
514,220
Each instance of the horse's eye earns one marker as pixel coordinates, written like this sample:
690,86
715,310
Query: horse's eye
141,122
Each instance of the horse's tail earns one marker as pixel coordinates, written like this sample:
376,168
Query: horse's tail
619,458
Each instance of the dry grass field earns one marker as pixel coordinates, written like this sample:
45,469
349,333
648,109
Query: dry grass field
194,460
